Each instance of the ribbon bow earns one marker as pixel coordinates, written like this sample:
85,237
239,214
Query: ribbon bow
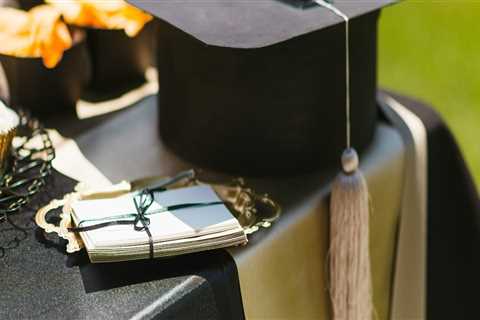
142,202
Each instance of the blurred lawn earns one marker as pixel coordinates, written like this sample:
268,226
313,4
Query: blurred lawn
431,50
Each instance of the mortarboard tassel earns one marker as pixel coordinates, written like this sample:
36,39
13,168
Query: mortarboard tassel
349,253
350,278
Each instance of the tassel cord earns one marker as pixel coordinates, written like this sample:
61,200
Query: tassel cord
345,18
349,266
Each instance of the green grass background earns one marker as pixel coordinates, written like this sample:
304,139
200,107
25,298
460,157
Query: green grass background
431,50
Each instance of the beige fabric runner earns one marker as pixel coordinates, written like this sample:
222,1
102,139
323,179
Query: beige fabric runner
409,289
71,162
87,109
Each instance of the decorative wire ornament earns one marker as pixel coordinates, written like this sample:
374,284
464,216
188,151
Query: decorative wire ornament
25,176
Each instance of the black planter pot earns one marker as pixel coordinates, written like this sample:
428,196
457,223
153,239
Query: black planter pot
32,86
118,61
28,4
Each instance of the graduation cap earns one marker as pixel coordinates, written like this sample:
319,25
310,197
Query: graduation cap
278,86
252,23
257,87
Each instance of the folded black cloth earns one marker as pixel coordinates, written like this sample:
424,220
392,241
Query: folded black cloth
453,249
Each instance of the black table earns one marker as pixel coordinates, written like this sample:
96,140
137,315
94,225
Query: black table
39,281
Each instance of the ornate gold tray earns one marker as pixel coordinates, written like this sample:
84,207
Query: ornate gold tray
253,211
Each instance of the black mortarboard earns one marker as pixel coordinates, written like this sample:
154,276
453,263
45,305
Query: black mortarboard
257,86
251,23
263,87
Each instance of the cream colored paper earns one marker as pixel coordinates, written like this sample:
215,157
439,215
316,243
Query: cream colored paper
165,226
70,161
172,232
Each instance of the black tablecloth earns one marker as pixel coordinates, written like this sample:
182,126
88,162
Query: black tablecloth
453,250
38,280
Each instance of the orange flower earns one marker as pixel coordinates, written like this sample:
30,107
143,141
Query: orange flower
39,32
111,14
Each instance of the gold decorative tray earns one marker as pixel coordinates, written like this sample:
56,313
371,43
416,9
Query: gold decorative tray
253,211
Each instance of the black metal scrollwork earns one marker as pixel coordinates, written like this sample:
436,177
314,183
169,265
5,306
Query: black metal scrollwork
29,166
